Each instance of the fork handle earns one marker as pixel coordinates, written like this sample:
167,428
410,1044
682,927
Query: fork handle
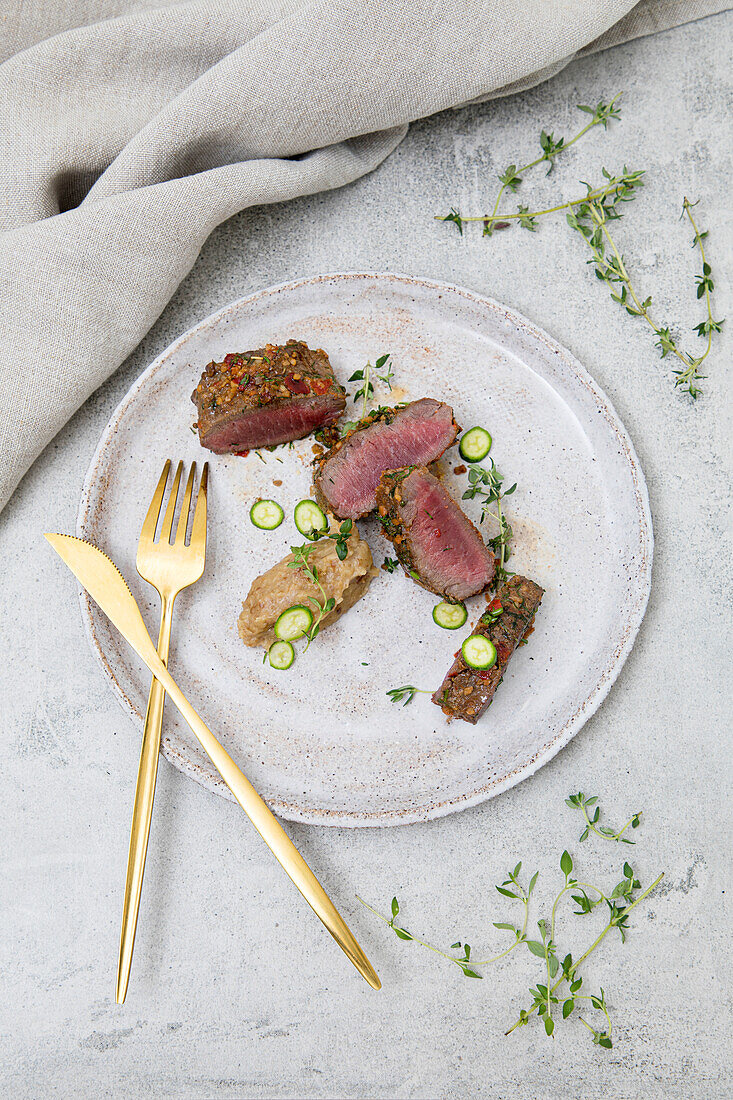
143,807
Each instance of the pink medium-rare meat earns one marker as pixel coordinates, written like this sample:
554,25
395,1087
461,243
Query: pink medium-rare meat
346,477
434,539
264,397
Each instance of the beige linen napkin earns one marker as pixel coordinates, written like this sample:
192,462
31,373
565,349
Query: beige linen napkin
129,129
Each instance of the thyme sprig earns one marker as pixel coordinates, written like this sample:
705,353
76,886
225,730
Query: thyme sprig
552,147
366,393
486,483
321,609
617,188
561,993
591,221
590,215
407,692
464,962
300,561
620,902
342,538
580,802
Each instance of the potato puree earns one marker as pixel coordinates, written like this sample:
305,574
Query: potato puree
281,587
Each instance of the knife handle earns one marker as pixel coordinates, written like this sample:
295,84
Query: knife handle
143,807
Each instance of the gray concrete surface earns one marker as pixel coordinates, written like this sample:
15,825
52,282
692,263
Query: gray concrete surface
236,991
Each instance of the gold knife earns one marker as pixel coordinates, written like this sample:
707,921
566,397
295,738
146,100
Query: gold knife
108,588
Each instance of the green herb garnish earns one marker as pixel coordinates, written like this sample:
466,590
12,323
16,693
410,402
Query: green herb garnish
486,483
408,693
344,532
366,392
300,555
590,214
512,176
591,220
390,564
580,802
560,993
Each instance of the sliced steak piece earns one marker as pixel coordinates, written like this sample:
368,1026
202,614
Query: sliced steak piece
265,397
466,692
434,539
346,477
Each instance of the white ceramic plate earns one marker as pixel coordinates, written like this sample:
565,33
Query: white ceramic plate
322,742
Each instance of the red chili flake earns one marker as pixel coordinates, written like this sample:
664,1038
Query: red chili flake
229,359
495,605
241,454
296,385
320,385
486,675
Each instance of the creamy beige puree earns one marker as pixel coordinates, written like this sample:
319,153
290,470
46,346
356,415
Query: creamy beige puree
282,586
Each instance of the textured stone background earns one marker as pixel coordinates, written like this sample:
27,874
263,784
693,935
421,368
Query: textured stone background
236,991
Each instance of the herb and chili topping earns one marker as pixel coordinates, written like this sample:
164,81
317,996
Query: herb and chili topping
267,376
232,394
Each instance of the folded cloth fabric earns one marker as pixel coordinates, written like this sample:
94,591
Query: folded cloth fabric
127,139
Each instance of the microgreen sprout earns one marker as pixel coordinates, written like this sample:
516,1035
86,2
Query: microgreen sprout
580,802
390,564
560,994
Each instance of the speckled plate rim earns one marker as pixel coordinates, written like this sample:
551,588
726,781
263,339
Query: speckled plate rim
635,608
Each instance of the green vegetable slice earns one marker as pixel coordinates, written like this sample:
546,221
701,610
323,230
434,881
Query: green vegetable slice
475,444
293,623
450,616
266,514
281,655
478,652
309,518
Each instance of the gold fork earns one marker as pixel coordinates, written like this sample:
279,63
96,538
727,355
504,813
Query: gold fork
169,567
